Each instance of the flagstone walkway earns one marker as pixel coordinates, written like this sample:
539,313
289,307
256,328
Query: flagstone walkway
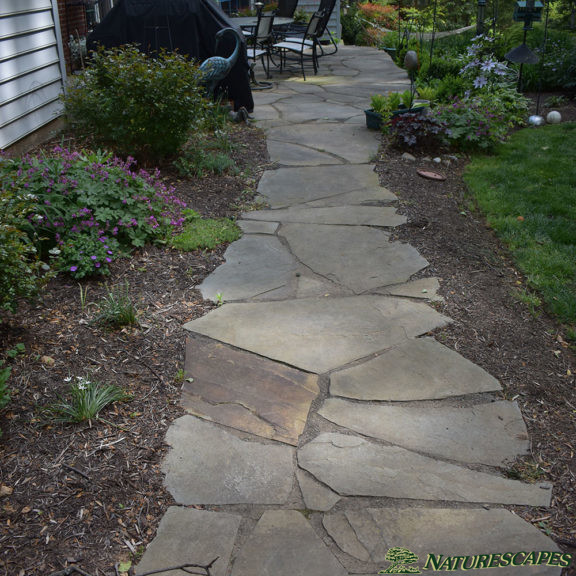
324,425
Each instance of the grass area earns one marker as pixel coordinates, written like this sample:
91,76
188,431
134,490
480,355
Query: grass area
527,190
205,232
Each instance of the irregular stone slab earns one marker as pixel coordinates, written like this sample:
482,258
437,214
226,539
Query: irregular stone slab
316,496
254,266
247,392
353,466
492,433
208,465
367,197
309,286
284,544
369,534
423,288
189,536
316,109
253,227
319,334
289,186
289,154
358,257
333,143
419,369
349,215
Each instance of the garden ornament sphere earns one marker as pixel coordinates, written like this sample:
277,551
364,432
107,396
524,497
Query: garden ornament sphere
554,117
536,120
411,60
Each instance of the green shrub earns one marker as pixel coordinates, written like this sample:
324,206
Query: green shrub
22,272
84,209
116,309
135,104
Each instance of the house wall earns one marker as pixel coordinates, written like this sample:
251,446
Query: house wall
32,67
311,6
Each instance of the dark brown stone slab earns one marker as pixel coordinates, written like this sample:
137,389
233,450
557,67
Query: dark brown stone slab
246,392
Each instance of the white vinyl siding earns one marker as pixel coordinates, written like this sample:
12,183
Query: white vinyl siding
31,67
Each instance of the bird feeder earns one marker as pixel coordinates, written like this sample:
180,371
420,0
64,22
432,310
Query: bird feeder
528,11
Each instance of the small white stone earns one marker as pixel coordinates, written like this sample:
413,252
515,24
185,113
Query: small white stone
437,160
408,157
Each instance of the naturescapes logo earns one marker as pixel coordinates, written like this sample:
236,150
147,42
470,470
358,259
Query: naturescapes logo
401,558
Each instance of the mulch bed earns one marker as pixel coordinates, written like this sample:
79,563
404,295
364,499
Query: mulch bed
91,495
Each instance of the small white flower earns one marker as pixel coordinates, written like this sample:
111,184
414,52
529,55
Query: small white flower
68,379
54,251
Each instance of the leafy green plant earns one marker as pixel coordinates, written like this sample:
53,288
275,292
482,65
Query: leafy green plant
4,390
136,104
117,309
199,232
412,129
87,208
86,399
529,299
23,271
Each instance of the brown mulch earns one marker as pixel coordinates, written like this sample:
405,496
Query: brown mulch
91,495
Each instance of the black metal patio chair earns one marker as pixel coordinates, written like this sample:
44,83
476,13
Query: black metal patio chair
260,41
301,49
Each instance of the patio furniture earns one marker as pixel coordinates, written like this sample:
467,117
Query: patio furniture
259,42
302,49
327,7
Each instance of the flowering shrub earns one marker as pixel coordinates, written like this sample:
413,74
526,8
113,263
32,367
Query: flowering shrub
87,207
384,15
482,70
135,104
21,268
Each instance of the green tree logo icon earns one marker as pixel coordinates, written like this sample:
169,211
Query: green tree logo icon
399,557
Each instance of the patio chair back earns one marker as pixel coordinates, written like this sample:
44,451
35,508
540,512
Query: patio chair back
286,8
263,32
327,7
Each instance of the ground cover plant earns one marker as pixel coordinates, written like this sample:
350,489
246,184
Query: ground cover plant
527,190
83,209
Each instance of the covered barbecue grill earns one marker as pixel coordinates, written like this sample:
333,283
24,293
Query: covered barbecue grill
188,26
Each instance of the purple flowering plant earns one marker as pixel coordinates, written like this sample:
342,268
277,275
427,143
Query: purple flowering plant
89,207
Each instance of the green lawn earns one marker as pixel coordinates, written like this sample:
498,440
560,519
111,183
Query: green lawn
528,192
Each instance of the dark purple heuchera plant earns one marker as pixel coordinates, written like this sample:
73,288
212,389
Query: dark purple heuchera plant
89,207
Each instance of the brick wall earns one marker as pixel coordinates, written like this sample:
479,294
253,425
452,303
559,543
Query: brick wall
72,23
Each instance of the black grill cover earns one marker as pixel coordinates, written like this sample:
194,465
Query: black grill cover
188,26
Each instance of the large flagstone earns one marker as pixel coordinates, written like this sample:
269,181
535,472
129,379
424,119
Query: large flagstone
255,265
434,535
189,536
421,369
322,184
358,257
208,465
492,433
353,466
318,334
314,144
284,544
247,392
348,215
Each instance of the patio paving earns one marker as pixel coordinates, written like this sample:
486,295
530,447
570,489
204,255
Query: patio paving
324,423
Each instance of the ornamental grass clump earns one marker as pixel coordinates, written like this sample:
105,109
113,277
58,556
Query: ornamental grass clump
86,399
84,209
